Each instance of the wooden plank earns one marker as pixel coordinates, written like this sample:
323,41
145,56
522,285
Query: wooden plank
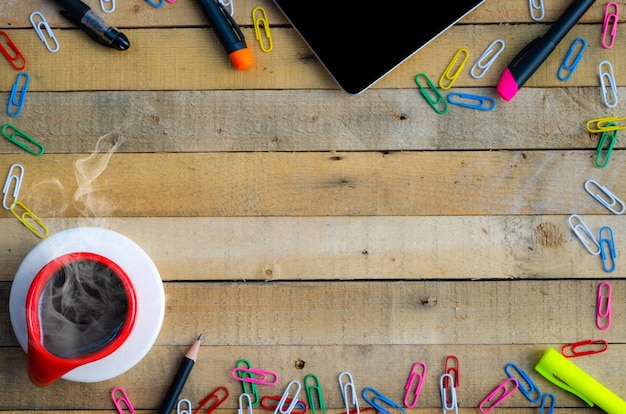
318,120
344,248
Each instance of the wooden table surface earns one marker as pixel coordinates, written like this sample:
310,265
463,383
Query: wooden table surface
310,231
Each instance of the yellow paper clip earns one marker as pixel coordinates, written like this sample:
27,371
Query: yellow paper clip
258,21
448,75
605,124
27,218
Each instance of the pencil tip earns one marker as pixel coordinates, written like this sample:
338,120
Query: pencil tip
200,337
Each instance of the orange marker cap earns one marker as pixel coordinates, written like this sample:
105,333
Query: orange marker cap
242,58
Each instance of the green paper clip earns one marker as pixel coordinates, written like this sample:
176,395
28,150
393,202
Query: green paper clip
14,138
310,393
440,105
254,392
603,156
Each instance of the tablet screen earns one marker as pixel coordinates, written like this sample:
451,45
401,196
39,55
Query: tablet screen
358,44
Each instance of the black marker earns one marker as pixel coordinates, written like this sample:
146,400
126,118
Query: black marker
91,23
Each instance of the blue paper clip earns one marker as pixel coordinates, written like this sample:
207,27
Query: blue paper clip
156,5
566,70
466,100
543,403
603,156
440,105
17,98
532,393
379,400
607,249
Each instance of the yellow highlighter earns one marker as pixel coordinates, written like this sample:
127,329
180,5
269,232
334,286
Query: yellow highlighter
563,373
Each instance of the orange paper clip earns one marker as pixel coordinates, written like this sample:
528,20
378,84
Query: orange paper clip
215,395
603,310
582,348
417,375
16,59
499,394
611,18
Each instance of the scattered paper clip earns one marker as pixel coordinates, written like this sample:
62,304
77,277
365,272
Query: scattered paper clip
262,21
451,366
583,233
604,151
440,105
603,309
491,53
607,249
244,405
229,6
568,66
608,78
380,400
18,94
215,395
604,196
542,407
466,100
588,347
107,6
415,381
118,401
16,59
40,24
253,391
12,177
282,407
29,219
448,77
155,4
532,392
314,393
266,377
610,123
18,137
348,390
611,19
446,382
499,394
270,402
536,7
183,406
171,1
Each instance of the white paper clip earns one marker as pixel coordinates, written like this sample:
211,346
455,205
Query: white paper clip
180,407
536,6
39,22
281,407
605,197
585,236
229,6
448,404
607,77
105,8
247,404
348,389
488,53
16,187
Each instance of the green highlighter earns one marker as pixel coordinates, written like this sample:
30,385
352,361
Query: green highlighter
565,374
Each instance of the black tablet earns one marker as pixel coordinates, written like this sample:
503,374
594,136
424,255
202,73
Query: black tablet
359,42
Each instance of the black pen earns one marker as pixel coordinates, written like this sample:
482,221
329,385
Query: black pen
229,34
535,53
91,23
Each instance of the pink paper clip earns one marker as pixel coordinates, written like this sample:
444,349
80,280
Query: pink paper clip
582,348
499,394
418,375
214,395
16,59
264,375
123,399
610,19
603,310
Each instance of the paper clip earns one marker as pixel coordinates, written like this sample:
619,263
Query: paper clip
312,391
417,376
607,77
17,98
15,136
16,188
605,197
180,409
536,7
266,377
566,70
27,218
243,404
484,66
348,389
603,309
16,59
276,398
607,249
282,407
588,347
229,6
452,77
214,395
258,21
452,369
610,123
110,8
446,381
532,393
156,5
583,233
466,100
440,105
543,403
603,156
254,392
380,399
611,18
499,394
121,400
43,24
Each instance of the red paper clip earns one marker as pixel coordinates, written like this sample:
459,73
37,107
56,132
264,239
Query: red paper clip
14,57
603,310
610,19
213,395
270,402
123,399
417,374
499,394
588,347
452,370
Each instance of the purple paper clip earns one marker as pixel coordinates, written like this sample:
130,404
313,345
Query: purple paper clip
123,399
416,375
264,375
